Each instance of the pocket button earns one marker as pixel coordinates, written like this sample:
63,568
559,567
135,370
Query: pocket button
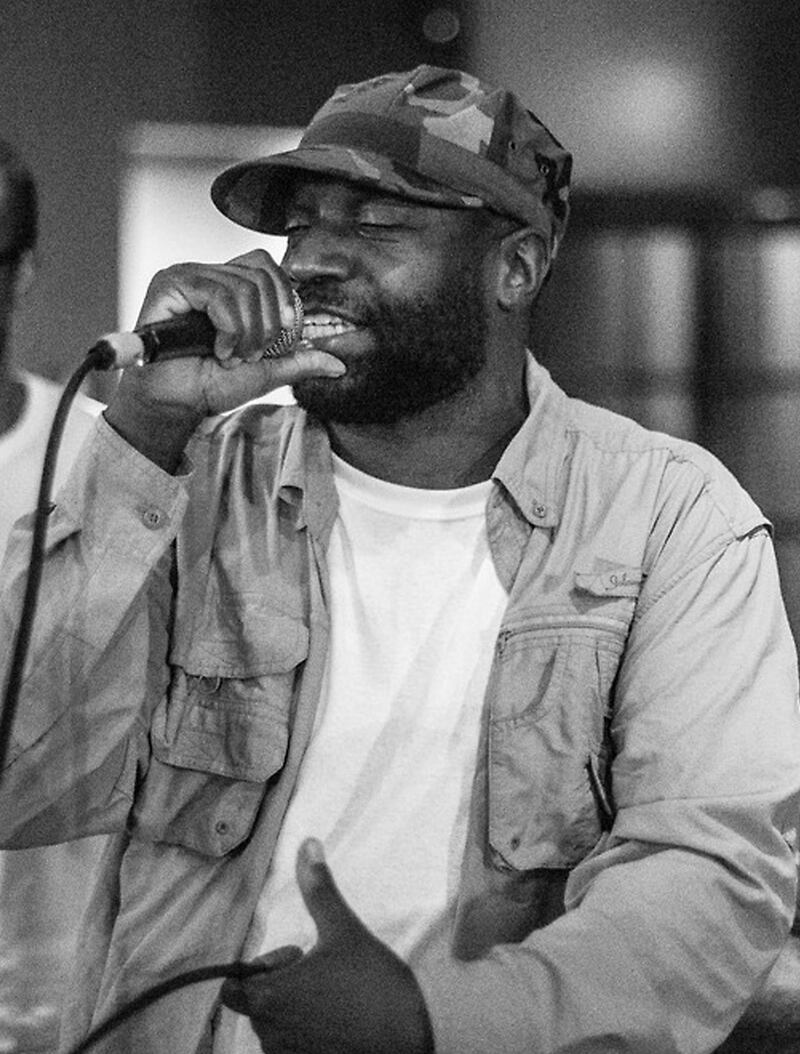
153,518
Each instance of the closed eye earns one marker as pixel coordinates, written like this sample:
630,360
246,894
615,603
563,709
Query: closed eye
380,229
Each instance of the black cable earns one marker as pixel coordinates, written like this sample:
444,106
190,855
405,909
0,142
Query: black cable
98,359
238,970
94,361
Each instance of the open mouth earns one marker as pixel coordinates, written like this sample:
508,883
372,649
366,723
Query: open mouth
318,325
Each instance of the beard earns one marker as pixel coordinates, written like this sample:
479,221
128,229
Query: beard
424,352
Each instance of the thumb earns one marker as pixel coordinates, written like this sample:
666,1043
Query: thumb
304,360
334,918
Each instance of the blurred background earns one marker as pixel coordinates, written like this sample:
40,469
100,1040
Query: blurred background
676,297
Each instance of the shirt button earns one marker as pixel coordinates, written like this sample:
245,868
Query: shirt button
540,510
221,827
153,518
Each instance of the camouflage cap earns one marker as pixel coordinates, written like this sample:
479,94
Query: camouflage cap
432,135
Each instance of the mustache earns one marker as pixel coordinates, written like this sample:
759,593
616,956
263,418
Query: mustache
324,293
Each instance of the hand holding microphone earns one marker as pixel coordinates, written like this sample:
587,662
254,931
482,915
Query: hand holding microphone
242,339
185,336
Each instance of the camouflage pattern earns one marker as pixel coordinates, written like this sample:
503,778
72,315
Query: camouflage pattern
432,135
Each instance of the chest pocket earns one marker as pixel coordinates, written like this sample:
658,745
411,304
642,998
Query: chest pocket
218,738
549,735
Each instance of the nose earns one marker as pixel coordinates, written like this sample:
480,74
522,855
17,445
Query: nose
317,253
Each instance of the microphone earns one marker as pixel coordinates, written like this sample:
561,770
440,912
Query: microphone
184,336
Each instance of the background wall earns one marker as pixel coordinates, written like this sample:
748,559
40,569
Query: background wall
677,93
73,74
642,93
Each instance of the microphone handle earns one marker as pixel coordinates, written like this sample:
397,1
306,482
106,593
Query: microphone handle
185,336
191,334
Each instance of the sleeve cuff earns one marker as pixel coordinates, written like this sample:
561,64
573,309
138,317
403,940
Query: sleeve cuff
120,499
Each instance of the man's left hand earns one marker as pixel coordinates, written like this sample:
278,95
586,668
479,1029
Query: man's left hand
349,995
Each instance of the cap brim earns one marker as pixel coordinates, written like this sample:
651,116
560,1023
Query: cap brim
253,193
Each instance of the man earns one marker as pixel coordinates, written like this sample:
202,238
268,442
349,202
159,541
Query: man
470,710
41,890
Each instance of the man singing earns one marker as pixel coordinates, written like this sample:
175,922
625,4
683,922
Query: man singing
468,708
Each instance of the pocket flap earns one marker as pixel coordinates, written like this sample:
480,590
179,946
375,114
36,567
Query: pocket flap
226,730
228,705
615,580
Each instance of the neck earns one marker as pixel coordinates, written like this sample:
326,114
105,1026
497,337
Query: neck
453,444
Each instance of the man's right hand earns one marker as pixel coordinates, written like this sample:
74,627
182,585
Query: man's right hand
249,300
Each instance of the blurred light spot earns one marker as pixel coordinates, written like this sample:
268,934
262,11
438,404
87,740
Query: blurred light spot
658,100
441,25
779,264
773,204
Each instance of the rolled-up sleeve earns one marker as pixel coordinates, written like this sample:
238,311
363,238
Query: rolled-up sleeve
97,655
678,914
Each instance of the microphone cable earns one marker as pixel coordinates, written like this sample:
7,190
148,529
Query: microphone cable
150,995
97,359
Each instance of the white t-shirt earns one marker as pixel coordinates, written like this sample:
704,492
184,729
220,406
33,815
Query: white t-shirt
42,891
22,447
385,784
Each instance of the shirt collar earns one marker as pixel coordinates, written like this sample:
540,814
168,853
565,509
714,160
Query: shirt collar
532,466
306,477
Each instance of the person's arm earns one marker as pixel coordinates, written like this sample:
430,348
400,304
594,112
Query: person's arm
98,657
678,915
97,654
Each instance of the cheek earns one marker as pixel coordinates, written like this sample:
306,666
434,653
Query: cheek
429,276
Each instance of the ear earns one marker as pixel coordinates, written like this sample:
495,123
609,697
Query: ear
24,273
524,261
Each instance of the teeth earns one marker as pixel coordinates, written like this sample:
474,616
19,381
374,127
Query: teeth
314,331
324,325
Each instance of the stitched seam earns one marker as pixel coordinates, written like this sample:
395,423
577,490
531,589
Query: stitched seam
718,545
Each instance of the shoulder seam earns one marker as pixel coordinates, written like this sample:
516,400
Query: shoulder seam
713,548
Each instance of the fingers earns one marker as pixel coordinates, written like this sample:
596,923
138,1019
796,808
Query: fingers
240,993
304,361
262,261
335,920
249,301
